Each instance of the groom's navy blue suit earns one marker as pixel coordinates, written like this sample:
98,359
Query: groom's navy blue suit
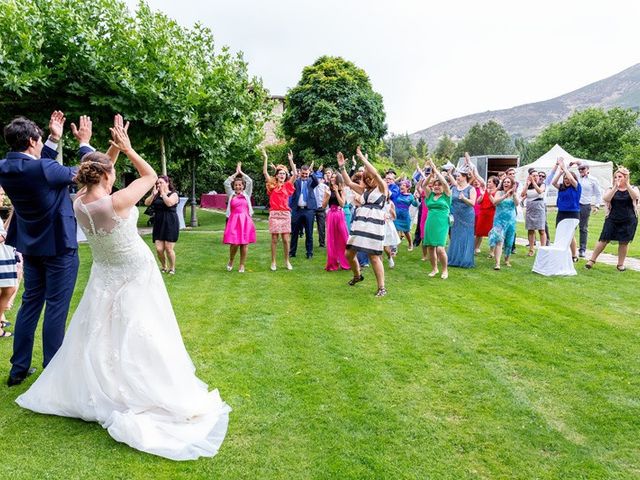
43,229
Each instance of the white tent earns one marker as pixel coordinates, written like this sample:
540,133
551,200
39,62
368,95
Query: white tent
601,171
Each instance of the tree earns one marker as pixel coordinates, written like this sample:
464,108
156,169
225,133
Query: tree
333,108
97,58
446,148
422,149
399,149
487,138
592,133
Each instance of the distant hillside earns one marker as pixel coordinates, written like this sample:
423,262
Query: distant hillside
620,90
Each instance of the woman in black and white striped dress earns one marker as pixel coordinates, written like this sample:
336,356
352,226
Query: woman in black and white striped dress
367,227
8,273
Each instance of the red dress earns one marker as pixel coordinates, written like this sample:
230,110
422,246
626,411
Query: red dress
484,219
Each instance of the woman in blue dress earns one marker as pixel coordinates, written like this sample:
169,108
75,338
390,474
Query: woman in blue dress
461,248
402,202
503,233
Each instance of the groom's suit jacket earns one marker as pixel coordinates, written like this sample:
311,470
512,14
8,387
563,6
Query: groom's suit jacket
43,221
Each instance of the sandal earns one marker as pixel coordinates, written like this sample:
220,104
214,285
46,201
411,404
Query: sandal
4,324
164,270
381,292
6,334
575,259
355,280
433,273
621,268
171,272
531,253
445,275
589,265
497,267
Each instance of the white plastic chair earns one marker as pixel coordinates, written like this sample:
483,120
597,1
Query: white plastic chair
556,258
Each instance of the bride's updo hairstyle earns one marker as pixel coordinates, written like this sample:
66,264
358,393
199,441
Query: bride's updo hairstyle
92,168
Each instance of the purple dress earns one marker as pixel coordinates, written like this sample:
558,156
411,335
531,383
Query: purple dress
240,229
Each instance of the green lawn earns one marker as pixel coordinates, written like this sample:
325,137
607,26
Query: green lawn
485,375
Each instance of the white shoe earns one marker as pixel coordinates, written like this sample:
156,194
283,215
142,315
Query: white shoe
229,267
241,269
289,266
273,267
391,263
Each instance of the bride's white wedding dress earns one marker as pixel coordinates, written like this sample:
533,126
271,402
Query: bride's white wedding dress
123,362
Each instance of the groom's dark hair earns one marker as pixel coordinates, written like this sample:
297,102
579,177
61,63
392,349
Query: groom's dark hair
18,133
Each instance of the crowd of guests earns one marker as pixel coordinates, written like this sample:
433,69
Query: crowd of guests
363,217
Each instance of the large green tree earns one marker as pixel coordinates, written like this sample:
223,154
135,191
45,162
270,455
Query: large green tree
593,133
445,149
486,139
400,150
97,58
333,108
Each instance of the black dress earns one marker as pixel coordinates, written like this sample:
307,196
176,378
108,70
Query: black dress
620,225
166,226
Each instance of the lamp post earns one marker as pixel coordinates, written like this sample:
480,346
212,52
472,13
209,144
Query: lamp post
192,202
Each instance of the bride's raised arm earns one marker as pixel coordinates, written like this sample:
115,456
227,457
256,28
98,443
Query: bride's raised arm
126,198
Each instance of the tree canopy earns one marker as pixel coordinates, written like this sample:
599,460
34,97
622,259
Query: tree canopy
97,58
592,133
333,108
486,139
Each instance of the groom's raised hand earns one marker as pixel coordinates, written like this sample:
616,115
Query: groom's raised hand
84,131
56,126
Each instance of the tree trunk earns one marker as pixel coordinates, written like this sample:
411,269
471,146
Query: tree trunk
163,156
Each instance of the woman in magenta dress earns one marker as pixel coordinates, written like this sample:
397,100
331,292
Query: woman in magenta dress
337,234
240,230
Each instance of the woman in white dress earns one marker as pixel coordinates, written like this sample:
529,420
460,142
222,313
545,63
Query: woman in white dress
123,363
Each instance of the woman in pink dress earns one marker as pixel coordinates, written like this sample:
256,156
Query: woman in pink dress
337,234
240,230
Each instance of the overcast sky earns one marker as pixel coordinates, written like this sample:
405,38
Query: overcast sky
431,61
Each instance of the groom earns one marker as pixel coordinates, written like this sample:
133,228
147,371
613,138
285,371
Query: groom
44,231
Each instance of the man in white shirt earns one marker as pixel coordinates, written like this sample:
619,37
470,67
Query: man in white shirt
590,200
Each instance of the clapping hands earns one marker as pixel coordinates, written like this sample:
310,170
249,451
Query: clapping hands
120,138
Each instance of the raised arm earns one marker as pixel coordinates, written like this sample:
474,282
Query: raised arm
126,198
558,173
345,176
572,181
265,167
446,189
382,185
294,170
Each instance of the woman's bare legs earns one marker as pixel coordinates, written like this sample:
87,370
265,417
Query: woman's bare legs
433,259
378,269
171,255
160,251
444,261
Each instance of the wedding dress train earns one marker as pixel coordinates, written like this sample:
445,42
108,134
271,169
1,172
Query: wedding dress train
123,362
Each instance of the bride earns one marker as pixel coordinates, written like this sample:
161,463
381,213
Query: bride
123,362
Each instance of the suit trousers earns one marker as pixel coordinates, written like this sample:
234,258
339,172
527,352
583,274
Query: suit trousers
585,213
321,222
50,281
302,218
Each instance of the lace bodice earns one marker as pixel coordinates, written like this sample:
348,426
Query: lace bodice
114,240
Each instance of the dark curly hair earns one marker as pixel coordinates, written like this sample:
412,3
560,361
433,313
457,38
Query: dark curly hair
93,167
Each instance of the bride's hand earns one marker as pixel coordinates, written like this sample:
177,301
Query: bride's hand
120,139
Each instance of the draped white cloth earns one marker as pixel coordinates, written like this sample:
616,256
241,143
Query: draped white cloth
123,363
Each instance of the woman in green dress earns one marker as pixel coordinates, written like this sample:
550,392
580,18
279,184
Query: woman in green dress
436,229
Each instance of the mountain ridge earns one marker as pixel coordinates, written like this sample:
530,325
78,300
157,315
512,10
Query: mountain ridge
529,119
